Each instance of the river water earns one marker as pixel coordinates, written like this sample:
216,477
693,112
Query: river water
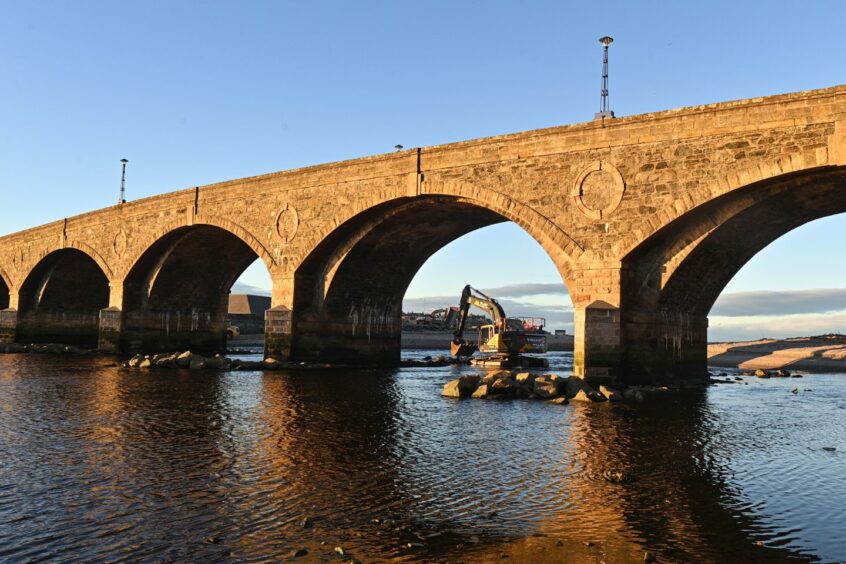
101,463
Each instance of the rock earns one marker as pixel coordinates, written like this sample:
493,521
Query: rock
561,400
135,361
462,387
197,362
248,364
592,396
218,362
494,376
794,391
782,373
829,449
212,540
504,386
306,522
613,394
648,557
299,552
762,373
633,395
525,377
271,363
545,387
145,363
184,359
574,384
795,375
340,550
481,392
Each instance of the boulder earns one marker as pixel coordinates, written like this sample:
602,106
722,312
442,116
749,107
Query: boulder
184,359
782,373
504,386
575,385
613,394
588,396
481,392
145,363
494,376
462,387
135,361
762,373
197,362
561,400
271,363
218,362
545,387
525,377
633,395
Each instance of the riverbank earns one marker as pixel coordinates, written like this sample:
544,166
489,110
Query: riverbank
812,354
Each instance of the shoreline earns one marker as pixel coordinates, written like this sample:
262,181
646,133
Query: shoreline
810,354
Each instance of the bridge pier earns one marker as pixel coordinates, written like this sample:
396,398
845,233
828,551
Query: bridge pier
666,347
597,347
8,325
111,323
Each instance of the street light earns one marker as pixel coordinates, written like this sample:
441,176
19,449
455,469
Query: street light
604,110
122,199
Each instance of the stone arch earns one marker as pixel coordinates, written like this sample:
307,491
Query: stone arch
5,289
674,277
725,184
61,296
348,291
176,293
563,249
212,220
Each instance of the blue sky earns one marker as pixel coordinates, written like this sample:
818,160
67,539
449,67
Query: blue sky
198,92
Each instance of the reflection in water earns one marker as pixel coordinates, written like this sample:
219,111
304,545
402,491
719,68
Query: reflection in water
100,462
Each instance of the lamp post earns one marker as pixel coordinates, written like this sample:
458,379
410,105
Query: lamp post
122,199
604,109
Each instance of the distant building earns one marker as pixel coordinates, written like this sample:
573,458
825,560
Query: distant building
246,312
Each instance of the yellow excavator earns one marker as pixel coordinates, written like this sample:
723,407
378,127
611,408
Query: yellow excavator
503,341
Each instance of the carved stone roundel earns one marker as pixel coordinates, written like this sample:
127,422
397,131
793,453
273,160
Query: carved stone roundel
287,223
598,190
119,244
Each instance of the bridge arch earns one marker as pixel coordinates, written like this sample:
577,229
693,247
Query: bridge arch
5,289
176,294
61,297
348,290
674,277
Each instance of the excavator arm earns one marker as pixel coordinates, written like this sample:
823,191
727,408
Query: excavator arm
473,297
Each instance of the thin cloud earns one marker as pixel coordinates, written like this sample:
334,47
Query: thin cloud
790,302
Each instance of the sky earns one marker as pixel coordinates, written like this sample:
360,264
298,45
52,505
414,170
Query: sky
199,92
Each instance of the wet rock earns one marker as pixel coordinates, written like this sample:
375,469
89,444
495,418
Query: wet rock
545,387
300,552
248,364
589,396
184,360
340,550
147,362
794,391
218,362
561,400
829,448
306,522
134,361
613,394
504,387
212,540
197,362
462,387
271,363
762,373
782,373
525,378
494,376
481,392
648,557
795,375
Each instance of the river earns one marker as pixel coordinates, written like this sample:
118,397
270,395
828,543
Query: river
101,463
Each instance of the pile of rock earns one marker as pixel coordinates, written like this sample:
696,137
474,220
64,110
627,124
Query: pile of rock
506,384
193,361
428,361
771,374
46,348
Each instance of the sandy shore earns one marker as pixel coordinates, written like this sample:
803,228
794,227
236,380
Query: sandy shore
814,354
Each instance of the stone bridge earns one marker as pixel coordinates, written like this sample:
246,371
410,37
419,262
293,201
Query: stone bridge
647,218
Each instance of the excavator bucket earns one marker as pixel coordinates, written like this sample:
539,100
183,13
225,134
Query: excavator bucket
462,349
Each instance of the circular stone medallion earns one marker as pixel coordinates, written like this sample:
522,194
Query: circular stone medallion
598,190
287,223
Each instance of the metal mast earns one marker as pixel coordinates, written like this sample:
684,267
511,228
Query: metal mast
604,109
122,199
